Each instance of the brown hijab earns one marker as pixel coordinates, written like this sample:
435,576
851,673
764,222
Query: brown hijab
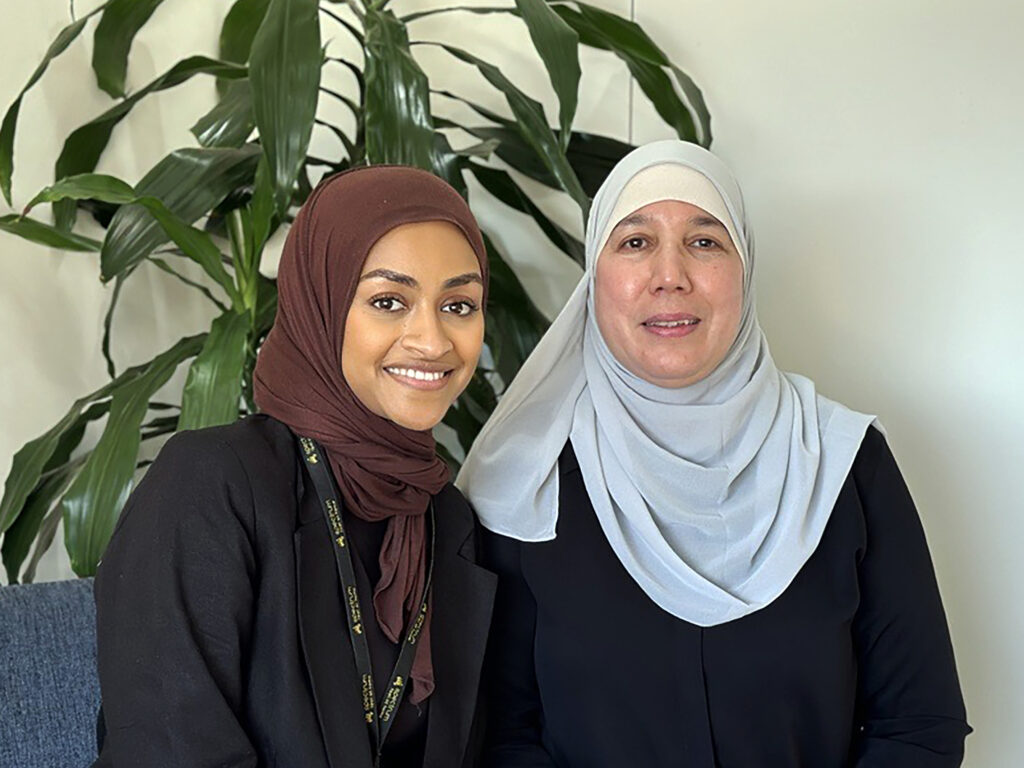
384,471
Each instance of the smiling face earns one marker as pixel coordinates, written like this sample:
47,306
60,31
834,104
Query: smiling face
668,293
415,328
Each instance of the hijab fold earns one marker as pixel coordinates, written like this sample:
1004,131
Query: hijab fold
712,495
384,471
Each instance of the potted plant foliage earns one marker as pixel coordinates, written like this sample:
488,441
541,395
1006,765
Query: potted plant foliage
217,203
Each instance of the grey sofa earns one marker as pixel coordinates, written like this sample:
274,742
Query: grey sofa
49,693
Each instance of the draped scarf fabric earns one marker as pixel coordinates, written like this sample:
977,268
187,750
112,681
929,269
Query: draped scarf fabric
712,495
384,471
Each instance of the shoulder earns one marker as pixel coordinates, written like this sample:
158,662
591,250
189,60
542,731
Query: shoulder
254,441
215,468
457,523
873,462
890,516
255,451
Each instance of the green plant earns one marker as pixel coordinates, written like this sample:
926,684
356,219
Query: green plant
250,169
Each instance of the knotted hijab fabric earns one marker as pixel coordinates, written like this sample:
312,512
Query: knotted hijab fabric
713,495
384,471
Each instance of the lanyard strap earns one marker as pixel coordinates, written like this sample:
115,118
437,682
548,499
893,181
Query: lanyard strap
379,716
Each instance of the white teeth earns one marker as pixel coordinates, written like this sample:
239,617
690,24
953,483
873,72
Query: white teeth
412,373
672,323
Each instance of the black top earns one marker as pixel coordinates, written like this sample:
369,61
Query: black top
408,734
221,637
851,666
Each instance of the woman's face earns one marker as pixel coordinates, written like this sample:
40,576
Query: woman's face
415,328
668,293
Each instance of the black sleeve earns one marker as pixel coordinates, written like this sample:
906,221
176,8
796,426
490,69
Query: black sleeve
513,707
174,597
910,709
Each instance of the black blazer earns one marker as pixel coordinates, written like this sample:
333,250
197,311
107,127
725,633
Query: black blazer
221,640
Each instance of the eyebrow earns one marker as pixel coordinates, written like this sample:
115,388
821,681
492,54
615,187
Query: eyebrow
639,219
402,279
465,279
634,219
394,277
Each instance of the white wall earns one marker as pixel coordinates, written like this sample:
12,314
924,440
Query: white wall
877,146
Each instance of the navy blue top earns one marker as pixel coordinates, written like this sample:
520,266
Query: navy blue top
851,666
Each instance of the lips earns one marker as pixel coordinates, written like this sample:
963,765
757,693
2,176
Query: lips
415,373
671,325
671,321
424,376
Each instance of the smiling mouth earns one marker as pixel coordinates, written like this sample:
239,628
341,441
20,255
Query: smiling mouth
671,323
674,325
419,378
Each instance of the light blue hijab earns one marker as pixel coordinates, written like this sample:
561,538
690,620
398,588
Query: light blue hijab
713,495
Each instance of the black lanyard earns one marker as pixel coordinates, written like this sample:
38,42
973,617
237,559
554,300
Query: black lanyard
379,717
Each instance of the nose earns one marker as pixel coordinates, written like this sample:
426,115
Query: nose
426,336
669,271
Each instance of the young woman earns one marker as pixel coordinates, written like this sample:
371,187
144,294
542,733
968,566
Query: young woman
299,589
703,561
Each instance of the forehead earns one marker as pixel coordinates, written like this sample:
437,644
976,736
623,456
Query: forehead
662,183
425,250
670,213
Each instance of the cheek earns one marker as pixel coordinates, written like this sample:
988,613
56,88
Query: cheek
364,341
728,293
615,290
469,341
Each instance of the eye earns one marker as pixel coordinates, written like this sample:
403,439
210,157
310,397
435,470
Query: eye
704,243
387,303
634,243
460,308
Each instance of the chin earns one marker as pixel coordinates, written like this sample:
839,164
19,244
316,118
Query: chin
418,422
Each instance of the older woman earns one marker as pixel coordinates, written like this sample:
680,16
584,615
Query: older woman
704,562
299,589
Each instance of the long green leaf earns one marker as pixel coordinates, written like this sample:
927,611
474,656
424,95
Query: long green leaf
285,75
108,323
592,157
533,126
654,82
94,500
213,390
86,186
47,533
190,182
85,145
648,64
237,33
45,234
231,121
113,38
448,164
7,129
479,9
558,46
165,267
57,474
18,540
356,34
501,185
193,242
602,29
514,323
32,458
261,207
239,29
